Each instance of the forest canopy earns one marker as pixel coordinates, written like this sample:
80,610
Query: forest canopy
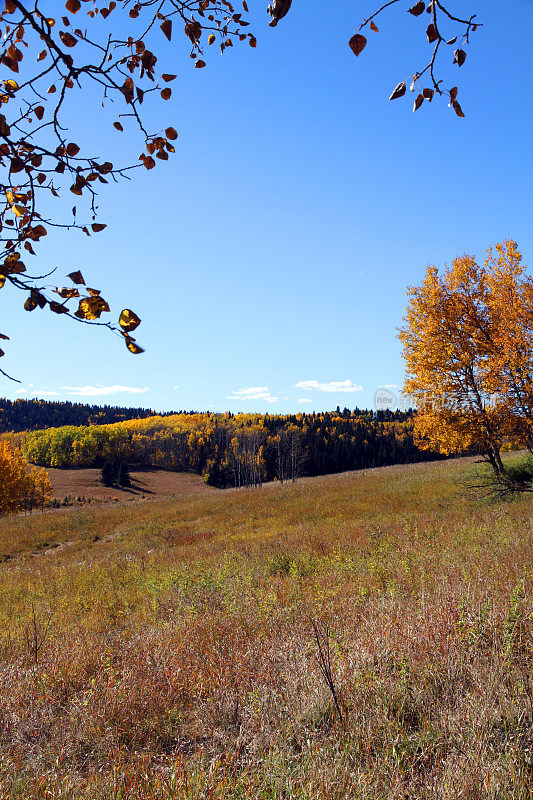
235,450
30,415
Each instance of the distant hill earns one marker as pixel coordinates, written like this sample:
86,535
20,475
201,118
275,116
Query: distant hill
234,449
32,415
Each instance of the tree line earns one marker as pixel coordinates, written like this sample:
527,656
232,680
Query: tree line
31,415
236,450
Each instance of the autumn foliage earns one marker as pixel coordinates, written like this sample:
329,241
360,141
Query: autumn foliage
445,33
47,61
234,450
468,347
20,490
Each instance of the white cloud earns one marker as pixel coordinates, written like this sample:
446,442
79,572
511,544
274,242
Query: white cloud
38,392
304,400
175,387
253,393
332,386
102,391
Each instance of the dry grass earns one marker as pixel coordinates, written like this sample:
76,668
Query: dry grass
151,484
180,660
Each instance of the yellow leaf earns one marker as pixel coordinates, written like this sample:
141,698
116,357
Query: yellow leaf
128,320
91,308
133,347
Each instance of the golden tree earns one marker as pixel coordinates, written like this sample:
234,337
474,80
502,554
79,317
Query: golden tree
468,348
38,490
111,52
510,303
13,479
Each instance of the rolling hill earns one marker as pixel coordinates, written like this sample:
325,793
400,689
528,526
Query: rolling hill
365,635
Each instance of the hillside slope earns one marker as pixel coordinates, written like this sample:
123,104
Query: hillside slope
234,450
166,649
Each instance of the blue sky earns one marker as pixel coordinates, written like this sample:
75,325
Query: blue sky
269,258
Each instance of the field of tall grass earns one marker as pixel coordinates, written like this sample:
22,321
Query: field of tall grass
364,636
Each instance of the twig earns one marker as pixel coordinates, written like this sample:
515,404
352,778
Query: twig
324,663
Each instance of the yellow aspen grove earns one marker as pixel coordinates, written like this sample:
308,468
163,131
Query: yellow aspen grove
468,348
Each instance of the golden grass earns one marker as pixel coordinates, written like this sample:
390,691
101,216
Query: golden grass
180,660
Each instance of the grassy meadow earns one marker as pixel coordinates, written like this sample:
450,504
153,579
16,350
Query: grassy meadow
166,649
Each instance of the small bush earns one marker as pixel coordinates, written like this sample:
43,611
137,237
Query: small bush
280,565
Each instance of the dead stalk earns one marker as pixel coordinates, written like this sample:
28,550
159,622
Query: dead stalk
324,662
